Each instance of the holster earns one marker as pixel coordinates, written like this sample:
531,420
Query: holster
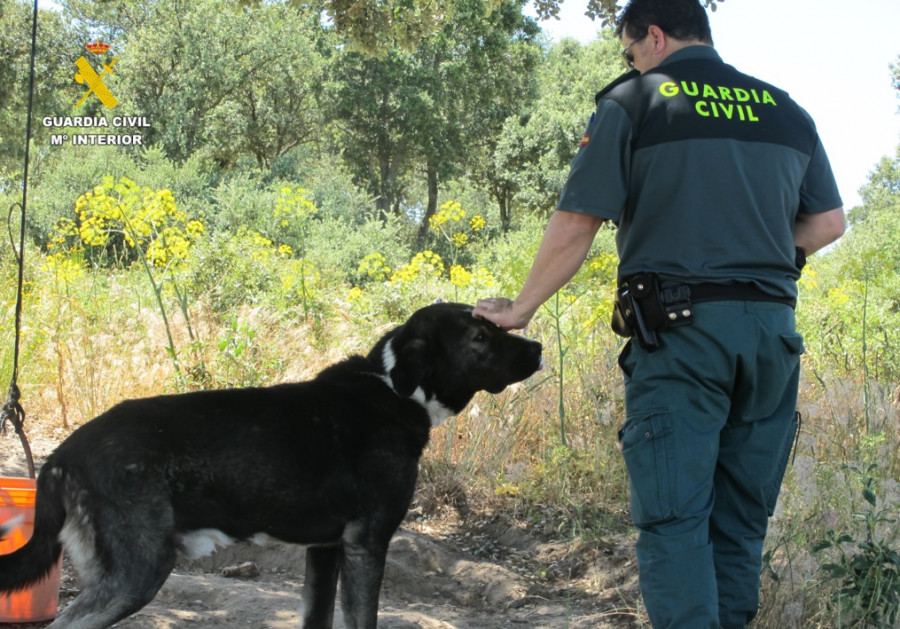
644,306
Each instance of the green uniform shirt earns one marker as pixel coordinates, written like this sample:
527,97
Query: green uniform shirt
704,170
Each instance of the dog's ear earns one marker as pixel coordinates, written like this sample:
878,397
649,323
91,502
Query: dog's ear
409,370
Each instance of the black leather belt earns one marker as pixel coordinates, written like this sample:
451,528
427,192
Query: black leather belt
735,292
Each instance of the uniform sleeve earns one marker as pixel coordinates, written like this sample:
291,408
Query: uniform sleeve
598,178
819,191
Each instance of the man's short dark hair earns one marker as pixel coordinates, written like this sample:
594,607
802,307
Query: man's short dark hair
681,19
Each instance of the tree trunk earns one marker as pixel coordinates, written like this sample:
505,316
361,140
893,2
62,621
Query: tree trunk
431,207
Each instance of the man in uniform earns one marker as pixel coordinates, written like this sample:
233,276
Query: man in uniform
720,187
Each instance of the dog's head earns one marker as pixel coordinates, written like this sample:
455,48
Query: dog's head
442,356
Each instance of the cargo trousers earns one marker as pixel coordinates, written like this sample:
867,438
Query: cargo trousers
710,424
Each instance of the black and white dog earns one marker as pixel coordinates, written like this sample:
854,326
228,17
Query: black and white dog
331,463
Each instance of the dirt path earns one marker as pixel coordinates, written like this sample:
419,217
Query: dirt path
429,583
471,571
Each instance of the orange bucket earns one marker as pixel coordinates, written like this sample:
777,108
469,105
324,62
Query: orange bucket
38,602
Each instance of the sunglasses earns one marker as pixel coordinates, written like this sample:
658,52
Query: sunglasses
628,56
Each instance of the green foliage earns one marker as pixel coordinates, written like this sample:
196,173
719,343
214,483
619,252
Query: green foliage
531,157
225,82
851,297
331,188
231,269
52,94
869,578
240,361
376,26
434,107
338,245
246,267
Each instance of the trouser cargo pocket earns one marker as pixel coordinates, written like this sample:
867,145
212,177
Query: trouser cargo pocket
648,446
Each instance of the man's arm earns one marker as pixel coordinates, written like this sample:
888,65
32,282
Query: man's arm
814,231
563,249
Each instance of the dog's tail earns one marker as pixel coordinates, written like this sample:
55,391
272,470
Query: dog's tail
33,561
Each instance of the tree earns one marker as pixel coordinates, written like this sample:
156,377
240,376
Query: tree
55,91
277,106
110,21
881,194
373,105
426,112
374,26
381,25
212,76
486,72
530,159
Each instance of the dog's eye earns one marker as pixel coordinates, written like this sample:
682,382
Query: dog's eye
481,337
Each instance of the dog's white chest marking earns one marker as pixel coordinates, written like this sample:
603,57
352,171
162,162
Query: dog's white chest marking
437,412
390,361
202,542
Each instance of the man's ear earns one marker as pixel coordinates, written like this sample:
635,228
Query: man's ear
409,371
658,38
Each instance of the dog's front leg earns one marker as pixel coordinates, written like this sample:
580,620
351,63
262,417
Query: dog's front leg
322,566
361,575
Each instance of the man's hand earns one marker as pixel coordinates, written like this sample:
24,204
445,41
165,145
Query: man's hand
501,312
563,249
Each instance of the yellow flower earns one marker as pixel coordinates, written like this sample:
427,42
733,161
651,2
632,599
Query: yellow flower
63,267
459,276
838,296
145,218
477,223
429,262
483,278
405,274
259,240
808,278
454,210
426,263
603,265
374,265
459,239
449,211
436,221
293,203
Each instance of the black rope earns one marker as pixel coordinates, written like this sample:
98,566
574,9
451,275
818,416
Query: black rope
12,410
